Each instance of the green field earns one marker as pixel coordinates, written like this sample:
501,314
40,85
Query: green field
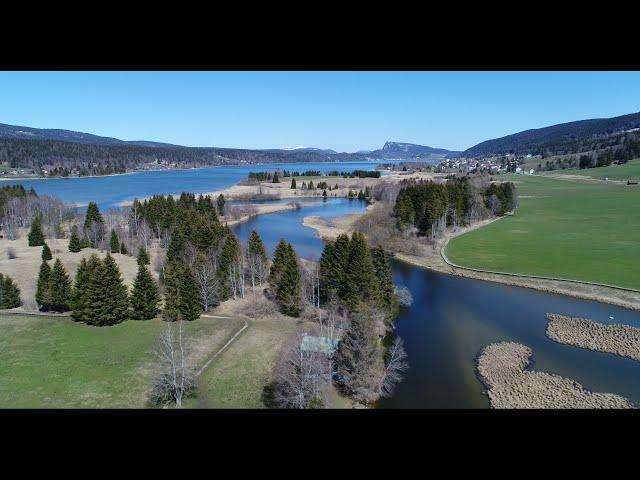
566,229
627,171
50,362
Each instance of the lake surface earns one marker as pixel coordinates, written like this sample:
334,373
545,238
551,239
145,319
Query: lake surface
451,319
111,191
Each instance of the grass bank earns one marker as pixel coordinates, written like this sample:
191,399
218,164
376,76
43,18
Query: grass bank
573,230
56,363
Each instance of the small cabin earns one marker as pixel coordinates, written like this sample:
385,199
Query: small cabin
324,345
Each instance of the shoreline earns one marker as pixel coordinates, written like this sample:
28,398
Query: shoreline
435,262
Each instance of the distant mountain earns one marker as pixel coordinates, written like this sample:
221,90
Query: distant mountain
325,151
564,138
29,133
393,150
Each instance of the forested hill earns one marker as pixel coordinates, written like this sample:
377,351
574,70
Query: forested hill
564,138
406,151
29,133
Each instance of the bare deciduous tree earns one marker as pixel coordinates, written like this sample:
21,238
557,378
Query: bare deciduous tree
395,367
205,272
302,377
175,377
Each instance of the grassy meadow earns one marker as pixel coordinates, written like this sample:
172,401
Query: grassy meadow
53,362
567,229
627,171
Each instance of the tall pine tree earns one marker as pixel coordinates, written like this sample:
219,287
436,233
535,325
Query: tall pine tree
189,296
9,293
143,257
94,225
46,252
173,284
86,279
114,243
144,296
360,282
74,242
229,254
43,291
36,237
279,259
59,288
387,298
289,285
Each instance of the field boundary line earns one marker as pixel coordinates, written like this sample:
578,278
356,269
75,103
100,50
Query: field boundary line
520,275
229,342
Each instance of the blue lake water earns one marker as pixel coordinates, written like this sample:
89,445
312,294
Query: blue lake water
111,191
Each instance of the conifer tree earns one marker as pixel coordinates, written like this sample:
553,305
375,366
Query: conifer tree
143,257
275,178
293,184
9,293
85,243
94,225
86,279
59,288
386,291
279,258
229,254
46,252
324,193
74,241
360,282
114,243
36,237
289,285
123,248
43,291
220,204
144,296
172,277
108,294
189,296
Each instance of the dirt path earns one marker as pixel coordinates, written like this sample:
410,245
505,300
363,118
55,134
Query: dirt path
229,342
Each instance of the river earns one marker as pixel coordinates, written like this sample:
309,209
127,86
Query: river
451,318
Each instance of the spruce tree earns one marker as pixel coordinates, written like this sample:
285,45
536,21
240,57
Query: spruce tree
229,254
111,303
293,183
360,282
80,293
43,291
289,285
9,293
220,204
114,243
386,291
46,252
36,237
94,225
143,257
189,296
144,296
279,258
275,178
172,281
74,241
59,288
257,255
123,248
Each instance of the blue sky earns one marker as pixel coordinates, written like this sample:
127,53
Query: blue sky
346,111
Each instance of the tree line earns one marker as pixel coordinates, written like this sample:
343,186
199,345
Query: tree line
431,207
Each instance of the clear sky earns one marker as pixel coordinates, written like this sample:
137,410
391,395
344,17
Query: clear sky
345,111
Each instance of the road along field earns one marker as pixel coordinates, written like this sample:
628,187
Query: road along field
565,229
53,362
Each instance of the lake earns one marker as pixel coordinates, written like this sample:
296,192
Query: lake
113,190
451,319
